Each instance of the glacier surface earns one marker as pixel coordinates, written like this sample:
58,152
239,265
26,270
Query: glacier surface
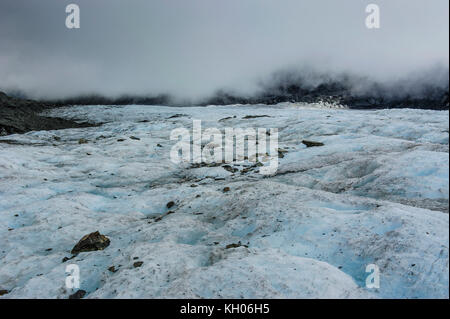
375,193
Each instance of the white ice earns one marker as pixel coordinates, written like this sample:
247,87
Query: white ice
375,193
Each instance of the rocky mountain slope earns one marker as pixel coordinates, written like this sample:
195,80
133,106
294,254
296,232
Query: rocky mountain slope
424,90
21,115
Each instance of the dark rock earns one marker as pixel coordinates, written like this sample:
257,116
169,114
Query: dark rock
246,170
235,245
281,153
312,144
138,264
226,189
3,292
177,115
170,204
82,141
230,169
67,258
112,269
254,116
135,138
225,118
78,295
203,164
91,242
159,218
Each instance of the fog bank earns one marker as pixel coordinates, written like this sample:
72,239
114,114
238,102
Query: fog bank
191,49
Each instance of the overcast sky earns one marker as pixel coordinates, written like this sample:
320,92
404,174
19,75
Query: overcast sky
192,47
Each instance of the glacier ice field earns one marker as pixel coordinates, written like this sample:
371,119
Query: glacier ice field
376,192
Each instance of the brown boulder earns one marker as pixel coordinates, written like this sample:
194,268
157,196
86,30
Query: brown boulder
78,295
91,242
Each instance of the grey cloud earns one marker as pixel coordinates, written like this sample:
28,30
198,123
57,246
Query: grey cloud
190,48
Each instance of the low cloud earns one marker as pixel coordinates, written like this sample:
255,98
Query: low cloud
191,49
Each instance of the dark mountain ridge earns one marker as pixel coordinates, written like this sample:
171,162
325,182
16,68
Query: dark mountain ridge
22,115
426,90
